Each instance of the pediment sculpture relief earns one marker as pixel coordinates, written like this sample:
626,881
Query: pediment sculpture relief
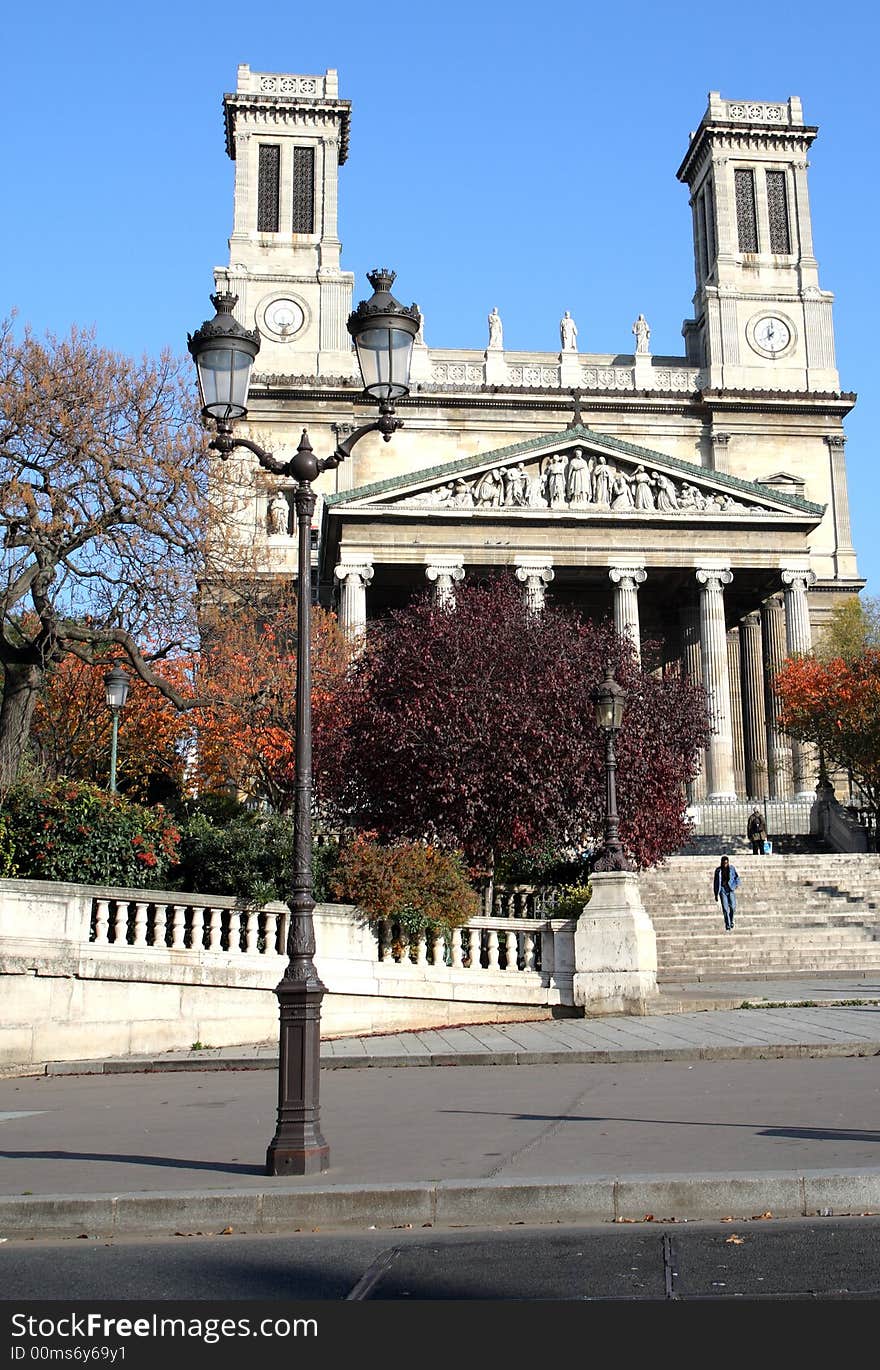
579,480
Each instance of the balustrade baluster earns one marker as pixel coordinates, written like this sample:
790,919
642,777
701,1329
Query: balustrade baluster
457,954
528,951
422,950
512,959
474,941
493,950
140,924
102,921
116,928
215,928
178,927
251,929
386,952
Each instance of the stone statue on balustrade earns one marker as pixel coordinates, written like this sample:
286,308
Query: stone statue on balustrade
568,333
496,339
642,333
278,515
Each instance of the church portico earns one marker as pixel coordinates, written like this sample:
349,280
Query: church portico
707,575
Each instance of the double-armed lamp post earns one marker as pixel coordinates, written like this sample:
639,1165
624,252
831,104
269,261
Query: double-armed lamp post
383,331
609,699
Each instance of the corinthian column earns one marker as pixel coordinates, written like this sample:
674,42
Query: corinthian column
354,574
689,618
626,580
535,573
799,641
716,679
445,573
778,746
754,713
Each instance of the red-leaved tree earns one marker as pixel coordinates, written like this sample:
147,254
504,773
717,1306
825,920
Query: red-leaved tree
475,726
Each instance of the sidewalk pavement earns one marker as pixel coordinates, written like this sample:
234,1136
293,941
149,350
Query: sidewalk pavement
695,1114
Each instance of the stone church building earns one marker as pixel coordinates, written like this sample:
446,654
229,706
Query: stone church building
701,498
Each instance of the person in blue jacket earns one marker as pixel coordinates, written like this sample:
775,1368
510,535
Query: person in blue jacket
726,885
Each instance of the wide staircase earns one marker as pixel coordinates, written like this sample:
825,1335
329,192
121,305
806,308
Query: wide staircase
796,914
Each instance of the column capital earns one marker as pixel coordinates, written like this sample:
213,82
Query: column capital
836,441
443,566
533,568
752,620
714,577
351,566
720,439
629,577
797,578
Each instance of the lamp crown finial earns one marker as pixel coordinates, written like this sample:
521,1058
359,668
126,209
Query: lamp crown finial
224,301
381,278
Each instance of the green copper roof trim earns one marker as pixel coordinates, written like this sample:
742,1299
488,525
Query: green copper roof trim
646,455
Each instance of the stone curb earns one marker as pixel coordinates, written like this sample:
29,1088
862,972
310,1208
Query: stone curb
446,1203
200,1062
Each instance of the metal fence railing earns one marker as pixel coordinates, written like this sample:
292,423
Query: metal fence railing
729,817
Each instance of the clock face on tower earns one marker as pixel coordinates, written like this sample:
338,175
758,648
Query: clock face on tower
770,335
280,318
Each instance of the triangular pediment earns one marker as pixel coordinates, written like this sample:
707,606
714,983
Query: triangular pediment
579,474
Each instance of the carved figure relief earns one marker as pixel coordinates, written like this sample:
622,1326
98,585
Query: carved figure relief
576,480
277,515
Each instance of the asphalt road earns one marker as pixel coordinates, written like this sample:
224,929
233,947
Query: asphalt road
753,1260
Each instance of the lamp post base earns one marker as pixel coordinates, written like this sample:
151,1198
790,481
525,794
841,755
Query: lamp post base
298,1147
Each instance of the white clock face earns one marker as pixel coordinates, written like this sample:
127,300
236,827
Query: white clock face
772,335
282,319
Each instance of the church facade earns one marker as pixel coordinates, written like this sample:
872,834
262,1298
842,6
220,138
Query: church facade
701,499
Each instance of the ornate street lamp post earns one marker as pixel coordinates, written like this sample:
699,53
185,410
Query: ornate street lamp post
116,684
610,701
383,331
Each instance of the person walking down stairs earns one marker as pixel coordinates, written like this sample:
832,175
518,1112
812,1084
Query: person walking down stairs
726,884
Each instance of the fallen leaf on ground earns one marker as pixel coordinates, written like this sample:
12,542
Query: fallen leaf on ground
226,1232
737,1241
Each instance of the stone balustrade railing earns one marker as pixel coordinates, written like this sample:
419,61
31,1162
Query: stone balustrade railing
169,925
485,944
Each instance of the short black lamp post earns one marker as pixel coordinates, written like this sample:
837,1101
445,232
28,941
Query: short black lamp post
610,701
383,331
116,685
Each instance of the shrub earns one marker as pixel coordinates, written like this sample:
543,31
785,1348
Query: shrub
87,835
228,849
571,901
415,884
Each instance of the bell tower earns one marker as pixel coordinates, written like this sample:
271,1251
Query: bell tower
761,320
288,136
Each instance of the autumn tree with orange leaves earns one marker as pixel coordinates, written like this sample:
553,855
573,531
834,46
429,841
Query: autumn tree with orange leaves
71,726
835,704
245,739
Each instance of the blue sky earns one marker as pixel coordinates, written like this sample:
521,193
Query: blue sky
502,154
